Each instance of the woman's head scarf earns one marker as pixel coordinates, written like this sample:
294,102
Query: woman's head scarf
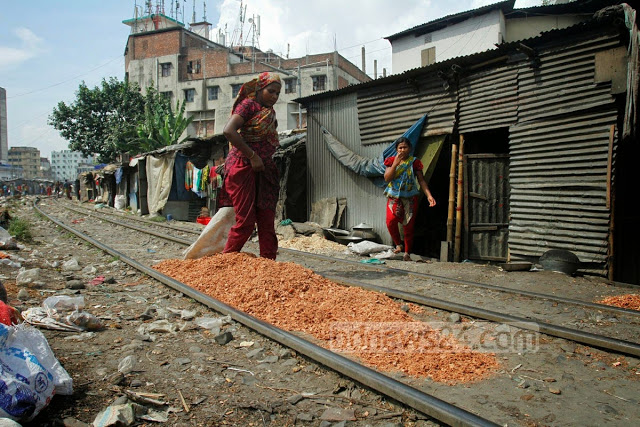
250,88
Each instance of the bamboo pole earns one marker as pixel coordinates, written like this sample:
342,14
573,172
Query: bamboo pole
456,251
611,203
452,194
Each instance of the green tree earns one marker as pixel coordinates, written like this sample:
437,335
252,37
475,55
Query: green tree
162,127
104,120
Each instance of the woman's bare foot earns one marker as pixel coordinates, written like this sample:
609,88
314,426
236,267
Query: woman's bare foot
406,257
398,249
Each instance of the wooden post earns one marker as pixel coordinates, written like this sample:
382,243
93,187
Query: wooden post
452,193
611,202
456,250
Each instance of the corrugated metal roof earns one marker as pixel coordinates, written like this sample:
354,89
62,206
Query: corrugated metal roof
505,6
508,8
506,52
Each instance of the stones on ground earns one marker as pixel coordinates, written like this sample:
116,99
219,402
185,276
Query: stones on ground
71,265
338,414
454,318
256,353
89,270
127,364
304,416
224,338
554,390
23,294
295,399
26,277
182,361
606,409
75,284
269,359
72,422
568,346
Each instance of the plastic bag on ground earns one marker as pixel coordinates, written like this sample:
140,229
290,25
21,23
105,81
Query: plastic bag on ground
30,374
366,247
214,236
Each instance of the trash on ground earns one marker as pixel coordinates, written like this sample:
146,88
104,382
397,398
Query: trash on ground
31,373
63,313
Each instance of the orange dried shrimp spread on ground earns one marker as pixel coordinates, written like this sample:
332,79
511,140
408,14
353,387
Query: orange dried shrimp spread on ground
368,325
630,301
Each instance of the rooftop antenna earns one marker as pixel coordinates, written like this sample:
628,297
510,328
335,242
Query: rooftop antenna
193,17
204,14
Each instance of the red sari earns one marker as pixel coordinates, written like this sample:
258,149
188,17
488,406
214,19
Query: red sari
254,195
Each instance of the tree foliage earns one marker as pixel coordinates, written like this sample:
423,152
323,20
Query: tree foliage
105,120
161,128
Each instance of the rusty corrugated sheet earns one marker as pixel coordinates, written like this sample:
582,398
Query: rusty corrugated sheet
387,111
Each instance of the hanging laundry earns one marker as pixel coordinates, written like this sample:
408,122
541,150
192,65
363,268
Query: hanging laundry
188,176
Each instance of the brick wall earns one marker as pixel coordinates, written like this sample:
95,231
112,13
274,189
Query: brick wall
153,45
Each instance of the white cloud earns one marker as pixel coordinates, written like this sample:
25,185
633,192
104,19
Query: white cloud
312,27
29,46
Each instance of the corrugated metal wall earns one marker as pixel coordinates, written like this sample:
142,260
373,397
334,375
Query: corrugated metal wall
489,100
328,178
559,122
559,156
387,111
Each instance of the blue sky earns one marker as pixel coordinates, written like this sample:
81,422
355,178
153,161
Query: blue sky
47,48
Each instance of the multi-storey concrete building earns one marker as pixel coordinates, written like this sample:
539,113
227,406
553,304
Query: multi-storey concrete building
45,169
28,158
64,164
4,143
185,65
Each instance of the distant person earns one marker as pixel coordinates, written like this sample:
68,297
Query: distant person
405,180
67,189
251,176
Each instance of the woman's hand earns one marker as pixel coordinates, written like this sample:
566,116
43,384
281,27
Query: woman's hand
432,201
256,163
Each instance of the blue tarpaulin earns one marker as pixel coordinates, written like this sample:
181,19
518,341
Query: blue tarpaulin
371,168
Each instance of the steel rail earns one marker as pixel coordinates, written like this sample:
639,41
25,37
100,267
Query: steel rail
412,397
593,340
487,286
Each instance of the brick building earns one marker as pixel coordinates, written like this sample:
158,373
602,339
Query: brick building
184,64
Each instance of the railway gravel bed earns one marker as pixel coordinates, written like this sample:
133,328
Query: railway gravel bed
253,381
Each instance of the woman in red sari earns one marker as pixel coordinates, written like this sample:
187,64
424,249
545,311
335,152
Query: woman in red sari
251,177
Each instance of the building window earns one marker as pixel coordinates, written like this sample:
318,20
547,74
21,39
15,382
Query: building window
235,89
193,67
428,56
319,83
212,92
167,95
290,85
189,95
166,69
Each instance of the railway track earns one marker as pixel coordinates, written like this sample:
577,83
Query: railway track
344,271
479,308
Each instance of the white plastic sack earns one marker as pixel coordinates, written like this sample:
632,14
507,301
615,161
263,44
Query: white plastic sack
214,236
30,373
366,247
120,202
